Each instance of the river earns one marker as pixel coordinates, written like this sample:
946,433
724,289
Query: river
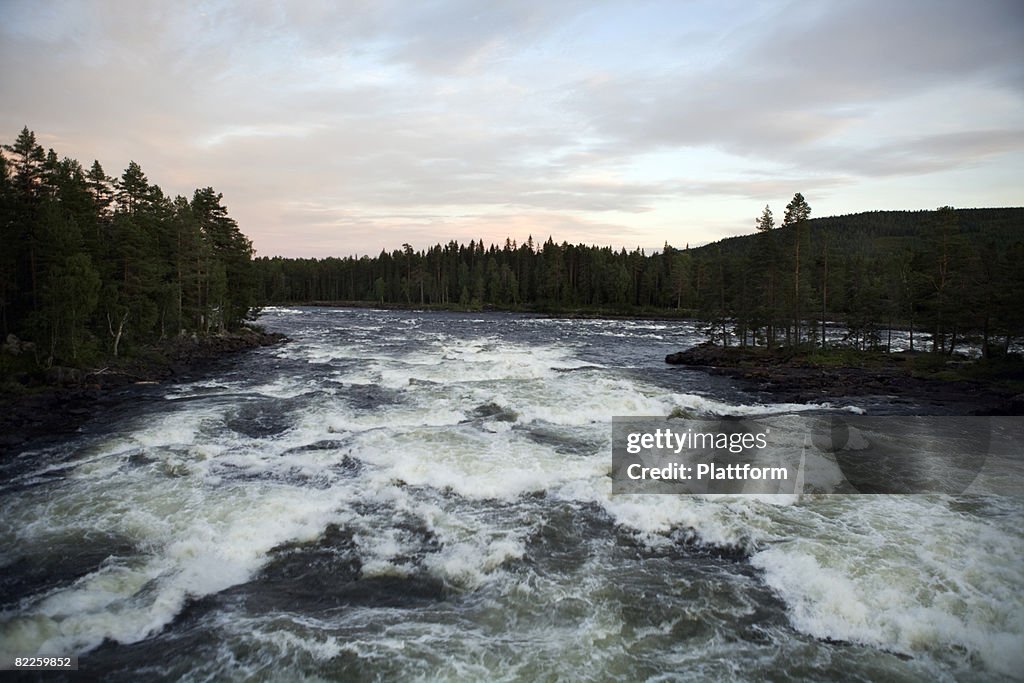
404,496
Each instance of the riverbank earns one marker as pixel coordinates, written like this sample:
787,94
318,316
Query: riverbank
958,385
57,401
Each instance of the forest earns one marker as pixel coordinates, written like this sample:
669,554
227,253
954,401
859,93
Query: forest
95,267
949,276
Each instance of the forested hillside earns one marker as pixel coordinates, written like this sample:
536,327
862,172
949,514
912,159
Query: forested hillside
93,266
949,274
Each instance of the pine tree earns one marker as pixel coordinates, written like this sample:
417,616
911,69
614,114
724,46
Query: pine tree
26,164
766,222
27,158
132,189
767,265
797,213
232,252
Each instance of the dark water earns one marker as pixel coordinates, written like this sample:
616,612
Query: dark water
425,496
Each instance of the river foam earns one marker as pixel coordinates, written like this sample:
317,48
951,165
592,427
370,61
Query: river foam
429,494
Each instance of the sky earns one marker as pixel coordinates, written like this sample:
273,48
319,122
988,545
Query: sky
337,128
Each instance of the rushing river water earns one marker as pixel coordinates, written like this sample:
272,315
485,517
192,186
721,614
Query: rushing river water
405,496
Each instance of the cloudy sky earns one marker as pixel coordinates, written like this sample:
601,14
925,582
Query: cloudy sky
337,128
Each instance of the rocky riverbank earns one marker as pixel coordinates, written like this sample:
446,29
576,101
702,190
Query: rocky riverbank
955,386
58,400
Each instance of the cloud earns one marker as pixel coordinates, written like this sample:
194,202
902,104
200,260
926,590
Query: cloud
921,154
809,76
396,119
763,188
876,49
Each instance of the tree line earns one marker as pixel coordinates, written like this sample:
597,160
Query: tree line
93,266
949,276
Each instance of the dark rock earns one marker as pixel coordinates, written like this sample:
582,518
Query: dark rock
703,354
16,347
792,378
61,376
59,400
65,560
327,574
